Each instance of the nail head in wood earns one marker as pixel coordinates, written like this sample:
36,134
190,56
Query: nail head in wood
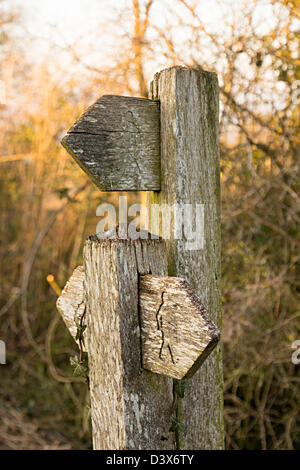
177,333
117,143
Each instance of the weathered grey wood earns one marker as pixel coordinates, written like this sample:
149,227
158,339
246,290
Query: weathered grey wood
177,333
71,302
117,143
190,174
131,407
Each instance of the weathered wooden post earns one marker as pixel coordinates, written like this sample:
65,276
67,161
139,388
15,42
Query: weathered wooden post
144,328
190,172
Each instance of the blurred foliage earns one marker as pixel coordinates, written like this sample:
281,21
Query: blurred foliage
48,209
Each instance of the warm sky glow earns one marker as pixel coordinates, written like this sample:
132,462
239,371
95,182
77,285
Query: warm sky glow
93,27
66,21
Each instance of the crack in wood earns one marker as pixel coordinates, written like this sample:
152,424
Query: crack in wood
159,322
159,309
171,354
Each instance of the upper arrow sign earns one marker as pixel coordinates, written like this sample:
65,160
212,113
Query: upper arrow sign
117,143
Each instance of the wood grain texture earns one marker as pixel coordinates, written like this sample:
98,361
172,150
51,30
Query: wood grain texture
131,407
117,143
71,302
191,174
177,333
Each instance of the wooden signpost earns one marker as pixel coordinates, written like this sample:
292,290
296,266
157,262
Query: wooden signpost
152,307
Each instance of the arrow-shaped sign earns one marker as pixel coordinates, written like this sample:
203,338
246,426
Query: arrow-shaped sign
177,332
117,143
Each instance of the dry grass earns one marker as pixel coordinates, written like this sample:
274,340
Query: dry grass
17,432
